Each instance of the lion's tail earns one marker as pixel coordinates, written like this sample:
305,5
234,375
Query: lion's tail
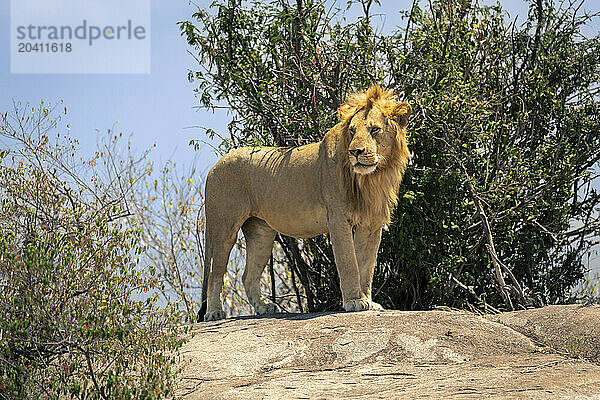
208,260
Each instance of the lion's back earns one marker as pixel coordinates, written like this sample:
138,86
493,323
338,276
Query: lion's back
266,168
279,185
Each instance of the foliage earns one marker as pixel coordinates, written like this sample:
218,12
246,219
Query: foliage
77,318
167,209
498,207
507,119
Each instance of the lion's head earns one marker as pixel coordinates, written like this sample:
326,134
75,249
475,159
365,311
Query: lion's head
373,151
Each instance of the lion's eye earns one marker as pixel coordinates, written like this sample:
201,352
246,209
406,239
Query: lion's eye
352,130
375,130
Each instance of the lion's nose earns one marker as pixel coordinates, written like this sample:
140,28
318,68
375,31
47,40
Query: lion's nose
356,152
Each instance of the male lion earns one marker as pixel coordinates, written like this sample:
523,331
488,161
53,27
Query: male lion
349,179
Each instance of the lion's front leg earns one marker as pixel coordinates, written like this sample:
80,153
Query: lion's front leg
366,244
340,232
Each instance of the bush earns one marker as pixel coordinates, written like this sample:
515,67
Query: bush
498,207
77,317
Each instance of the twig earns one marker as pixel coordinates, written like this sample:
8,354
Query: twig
497,264
93,376
533,368
292,254
272,273
470,290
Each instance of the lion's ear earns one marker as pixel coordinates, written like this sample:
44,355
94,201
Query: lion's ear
401,112
354,102
346,111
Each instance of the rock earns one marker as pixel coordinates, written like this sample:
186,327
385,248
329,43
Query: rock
573,330
382,355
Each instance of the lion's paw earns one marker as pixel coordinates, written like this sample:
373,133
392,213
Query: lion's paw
214,316
266,308
361,305
356,305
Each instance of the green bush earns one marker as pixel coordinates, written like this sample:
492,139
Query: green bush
498,208
77,318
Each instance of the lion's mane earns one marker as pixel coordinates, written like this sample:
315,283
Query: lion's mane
374,196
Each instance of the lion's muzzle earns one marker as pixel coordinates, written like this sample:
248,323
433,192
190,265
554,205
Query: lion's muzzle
363,163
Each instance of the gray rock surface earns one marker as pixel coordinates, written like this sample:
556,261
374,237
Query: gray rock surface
571,330
384,355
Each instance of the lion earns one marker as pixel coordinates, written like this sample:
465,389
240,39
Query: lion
349,180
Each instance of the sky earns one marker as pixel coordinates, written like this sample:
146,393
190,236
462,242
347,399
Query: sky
158,108
155,108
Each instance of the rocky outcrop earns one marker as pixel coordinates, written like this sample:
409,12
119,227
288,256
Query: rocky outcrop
571,330
395,354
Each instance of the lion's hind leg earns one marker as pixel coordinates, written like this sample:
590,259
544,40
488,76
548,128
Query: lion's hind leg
259,245
222,235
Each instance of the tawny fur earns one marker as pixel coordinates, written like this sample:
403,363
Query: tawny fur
348,180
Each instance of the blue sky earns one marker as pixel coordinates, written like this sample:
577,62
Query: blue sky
156,108
109,35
